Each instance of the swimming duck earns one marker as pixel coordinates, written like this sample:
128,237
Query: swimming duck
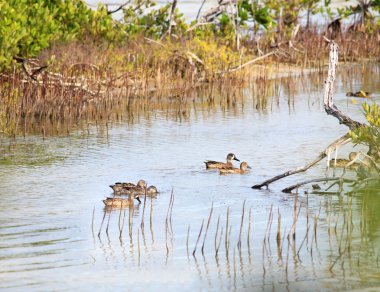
361,93
243,169
150,191
210,164
125,188
120,202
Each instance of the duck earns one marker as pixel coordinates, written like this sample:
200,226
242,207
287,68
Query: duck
120,188
210,164
151,191
361,93
121,202
243,169
341,162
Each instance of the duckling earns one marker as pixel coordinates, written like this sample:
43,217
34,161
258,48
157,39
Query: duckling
243,169
210,164
361,93
120,202
126,188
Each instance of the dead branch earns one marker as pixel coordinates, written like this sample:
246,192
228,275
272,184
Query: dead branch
326,179
200,8
330,108
119,8
171,22
342,140
248,63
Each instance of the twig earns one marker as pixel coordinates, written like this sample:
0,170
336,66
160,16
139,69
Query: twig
322,155
119,8
92,222
199,11
199,236
249,62
241,227
208,224
326,179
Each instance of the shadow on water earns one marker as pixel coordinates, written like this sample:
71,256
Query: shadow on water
51,191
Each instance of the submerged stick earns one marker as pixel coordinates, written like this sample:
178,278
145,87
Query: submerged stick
269,219
342,140
325,179
187,240
226,239
295,216
241,227
101,224
220,240
207,226
199,236
143,213
278,237
122,226
249,230
216,233
92,222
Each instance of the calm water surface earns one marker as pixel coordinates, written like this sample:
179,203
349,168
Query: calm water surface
49,189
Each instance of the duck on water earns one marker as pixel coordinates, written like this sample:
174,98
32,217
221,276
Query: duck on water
211,164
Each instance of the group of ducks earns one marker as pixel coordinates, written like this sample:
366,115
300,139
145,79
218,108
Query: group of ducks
226,168
125,193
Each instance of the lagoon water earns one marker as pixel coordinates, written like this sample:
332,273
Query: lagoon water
51,194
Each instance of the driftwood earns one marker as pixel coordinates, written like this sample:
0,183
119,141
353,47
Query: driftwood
326,179
341,141
330,109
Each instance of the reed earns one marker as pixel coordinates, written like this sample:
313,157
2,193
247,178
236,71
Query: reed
199,236
216,233
207,226
92,222
143,214
226,238
101,224
241,227
92,82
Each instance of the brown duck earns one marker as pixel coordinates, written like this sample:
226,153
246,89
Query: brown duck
210,164
243,169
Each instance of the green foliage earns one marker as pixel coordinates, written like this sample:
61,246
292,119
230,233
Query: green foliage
368,176
369,135
153,24
28,26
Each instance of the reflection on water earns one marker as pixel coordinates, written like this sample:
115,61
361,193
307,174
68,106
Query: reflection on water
51,192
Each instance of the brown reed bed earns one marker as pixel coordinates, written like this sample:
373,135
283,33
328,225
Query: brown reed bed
80,82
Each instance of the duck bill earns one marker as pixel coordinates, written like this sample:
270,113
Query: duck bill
235,158
249,167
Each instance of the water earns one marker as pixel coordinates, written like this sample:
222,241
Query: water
50,187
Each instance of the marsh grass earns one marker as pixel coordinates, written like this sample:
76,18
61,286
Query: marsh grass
98,84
